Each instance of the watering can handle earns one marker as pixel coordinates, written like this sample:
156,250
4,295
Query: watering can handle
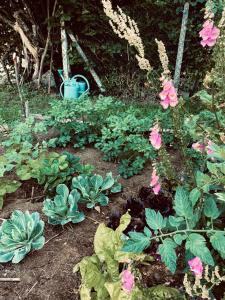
60,89
85,79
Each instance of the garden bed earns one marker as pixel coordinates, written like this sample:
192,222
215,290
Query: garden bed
47,274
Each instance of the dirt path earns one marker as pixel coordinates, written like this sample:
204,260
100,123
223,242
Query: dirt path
47,274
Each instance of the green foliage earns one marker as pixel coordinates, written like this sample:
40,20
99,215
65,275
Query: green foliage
93,189
19,235
188,232
80,121
161,292
7,186
118,131
107,285
27,161
64,207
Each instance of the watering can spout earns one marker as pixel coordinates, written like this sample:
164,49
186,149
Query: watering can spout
60,71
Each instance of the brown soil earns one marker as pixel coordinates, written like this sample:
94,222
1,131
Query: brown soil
47,274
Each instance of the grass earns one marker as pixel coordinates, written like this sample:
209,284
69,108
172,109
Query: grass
10,105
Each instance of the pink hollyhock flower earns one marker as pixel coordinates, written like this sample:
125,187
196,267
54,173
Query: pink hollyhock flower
156,188
209,34
154,183
155,137
198,147
154,178
168,95
209,149
196,266
127,280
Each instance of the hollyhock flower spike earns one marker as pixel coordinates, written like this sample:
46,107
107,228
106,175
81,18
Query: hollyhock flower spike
127,280
154,182
209,34
198,147
196,266
168,95
155,137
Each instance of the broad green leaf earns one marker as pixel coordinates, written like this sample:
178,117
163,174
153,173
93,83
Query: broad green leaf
218,241
175,221
92,276
212,167
194,196
220,196
179,238
137,242
108,182
203,181
116,292
210,208
196,243
182,204
154,219
96,181
168,254
106,243
124,222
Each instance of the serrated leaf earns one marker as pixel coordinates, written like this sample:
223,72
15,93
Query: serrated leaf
196,243
179,238
182,204
194,196
210,208
175,221
137,242
168,254
218,241
154,219
203,181
212,168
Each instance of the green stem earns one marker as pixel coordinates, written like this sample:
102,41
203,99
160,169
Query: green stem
184,231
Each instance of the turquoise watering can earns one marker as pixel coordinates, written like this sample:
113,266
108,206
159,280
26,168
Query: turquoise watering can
74,87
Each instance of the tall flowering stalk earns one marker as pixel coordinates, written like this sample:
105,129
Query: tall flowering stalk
126,28
209,32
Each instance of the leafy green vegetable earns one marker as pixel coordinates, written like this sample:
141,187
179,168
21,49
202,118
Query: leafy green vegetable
19,235
63,208
107,285
7,186
94,189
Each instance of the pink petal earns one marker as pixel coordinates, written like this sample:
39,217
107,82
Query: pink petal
196,266
156,189
165,103
198,147
154,178
155,137
127,280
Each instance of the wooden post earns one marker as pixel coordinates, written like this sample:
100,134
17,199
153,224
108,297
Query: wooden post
84,57
65,58
180,51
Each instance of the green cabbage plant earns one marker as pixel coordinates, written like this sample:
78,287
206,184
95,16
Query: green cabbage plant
19,235
63,208
94,189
